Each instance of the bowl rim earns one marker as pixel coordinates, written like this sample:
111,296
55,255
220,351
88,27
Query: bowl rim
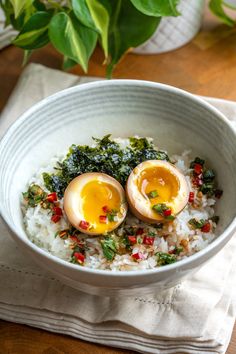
22,236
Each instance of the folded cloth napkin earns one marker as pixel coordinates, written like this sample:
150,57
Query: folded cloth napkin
196,316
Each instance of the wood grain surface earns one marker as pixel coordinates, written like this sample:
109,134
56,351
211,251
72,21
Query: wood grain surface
206,66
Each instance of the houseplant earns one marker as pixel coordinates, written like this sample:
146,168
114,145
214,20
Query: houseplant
75,26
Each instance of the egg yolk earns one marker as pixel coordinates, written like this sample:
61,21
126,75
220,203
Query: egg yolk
158,185
101,204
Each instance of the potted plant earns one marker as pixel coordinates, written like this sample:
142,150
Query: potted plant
75,26
174,32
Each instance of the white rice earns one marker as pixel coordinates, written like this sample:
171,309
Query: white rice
41,230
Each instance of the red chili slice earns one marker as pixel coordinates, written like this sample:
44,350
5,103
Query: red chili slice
147,240
74,239
198,168
79,257
191,197
167,212
84,224
103,219
206,228
52,197
132,239
55,218
138,255
57,211
105,209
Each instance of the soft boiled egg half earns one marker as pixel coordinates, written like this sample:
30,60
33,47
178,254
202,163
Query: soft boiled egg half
156,191
95,203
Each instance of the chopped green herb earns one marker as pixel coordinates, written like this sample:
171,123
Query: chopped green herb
125,242
109,248
152,194
163,210
206,180
36,190
178,250
159,208
208,175
139,240
73,260
152,234
34,195
208,188
45,204
197,224
165,258
170,217
111,215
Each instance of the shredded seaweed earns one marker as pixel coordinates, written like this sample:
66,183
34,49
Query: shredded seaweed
107,157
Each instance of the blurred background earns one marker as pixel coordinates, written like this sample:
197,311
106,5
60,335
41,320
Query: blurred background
193,49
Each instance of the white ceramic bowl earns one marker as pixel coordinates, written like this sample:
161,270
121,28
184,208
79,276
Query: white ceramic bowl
175,119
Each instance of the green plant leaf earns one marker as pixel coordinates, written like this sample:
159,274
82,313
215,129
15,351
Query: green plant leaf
19,6
88,36
157,7
217,8
66,39
81,11
101,19
38,5
8,11
17,23
129,28
93,14
34,33
72,39
68,63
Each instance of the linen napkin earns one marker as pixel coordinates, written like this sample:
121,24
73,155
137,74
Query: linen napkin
197,316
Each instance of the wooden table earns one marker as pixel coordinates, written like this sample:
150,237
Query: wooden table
207,66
